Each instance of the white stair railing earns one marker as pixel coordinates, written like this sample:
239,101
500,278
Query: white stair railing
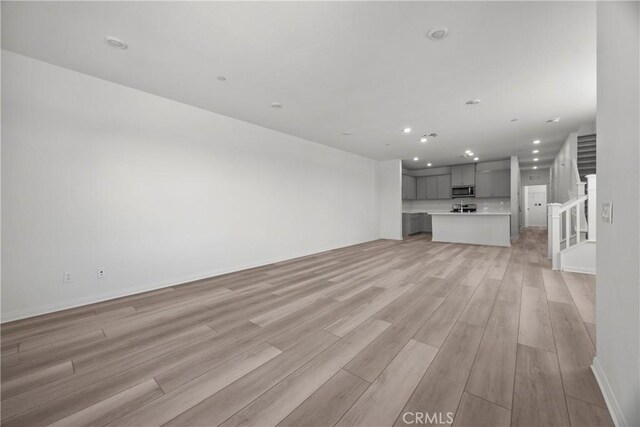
566,222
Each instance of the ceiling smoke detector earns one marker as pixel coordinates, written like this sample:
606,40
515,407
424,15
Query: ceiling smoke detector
221,78
437,34
473,102
115,42
554,120
276,105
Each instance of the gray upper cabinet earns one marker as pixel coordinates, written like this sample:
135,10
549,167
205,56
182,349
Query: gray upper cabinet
484,184
495,183
456,176
432,187
463,175
408,187
502,183
421,188
469,174
444,186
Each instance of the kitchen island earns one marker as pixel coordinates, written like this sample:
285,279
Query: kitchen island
479,228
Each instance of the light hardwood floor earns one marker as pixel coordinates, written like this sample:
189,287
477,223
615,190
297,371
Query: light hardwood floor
379,334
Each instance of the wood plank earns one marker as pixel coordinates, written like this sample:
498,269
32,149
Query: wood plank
372,360
274,406
583,296
555,287
538,398
348,323
435,330
222,405
183,398
583,414
36,379
329,403
442,386
535,324
113,407
493,371
479,307
575,354
382,402
477,412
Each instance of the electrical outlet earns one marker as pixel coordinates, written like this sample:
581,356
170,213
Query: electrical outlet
100,273
67,277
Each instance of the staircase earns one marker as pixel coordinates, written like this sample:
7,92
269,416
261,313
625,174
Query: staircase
586,156
572,238
586,161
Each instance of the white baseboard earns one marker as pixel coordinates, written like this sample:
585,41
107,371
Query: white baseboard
614,409
578,269
105,296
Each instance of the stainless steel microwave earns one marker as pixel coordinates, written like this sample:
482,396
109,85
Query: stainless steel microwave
463,191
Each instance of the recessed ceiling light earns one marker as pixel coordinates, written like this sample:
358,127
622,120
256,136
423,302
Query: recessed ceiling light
473,102
428,164
437,33
537,141
276,105
467,151
514,120
476,159
406,130
536,159
415,159
221,78
115,42
535,151
535,167
554,120
470,154
423,139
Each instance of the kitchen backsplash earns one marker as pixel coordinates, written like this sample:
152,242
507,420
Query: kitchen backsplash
503,203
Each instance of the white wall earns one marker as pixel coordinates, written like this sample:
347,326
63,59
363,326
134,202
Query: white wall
534,177
95,174
515,198
563,182
618,243
390,199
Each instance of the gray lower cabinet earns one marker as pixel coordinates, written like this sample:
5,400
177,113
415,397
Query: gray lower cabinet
415,223
426,223
496,183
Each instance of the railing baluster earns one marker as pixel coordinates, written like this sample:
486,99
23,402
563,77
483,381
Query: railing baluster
567,226
578,218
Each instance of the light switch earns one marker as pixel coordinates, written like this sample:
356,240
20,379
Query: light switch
607,212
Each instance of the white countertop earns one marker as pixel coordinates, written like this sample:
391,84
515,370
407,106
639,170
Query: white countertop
443,212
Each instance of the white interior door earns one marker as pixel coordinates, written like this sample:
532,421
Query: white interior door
536,206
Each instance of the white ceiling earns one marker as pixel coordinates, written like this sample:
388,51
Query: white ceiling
362,67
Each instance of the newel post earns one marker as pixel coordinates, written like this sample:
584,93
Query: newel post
591,207
553,234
